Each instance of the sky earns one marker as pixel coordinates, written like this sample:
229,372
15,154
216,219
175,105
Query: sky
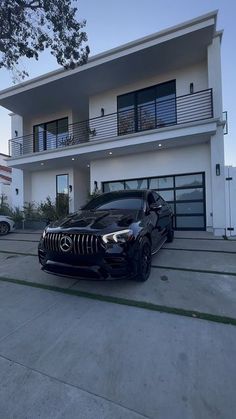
111,23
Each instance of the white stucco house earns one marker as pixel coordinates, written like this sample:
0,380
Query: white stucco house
5,179
147,114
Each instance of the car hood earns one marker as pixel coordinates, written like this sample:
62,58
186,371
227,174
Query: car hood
97,221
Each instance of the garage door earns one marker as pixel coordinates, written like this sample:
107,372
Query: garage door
185,193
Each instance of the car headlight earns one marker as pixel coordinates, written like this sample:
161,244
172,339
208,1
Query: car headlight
44,232
121,236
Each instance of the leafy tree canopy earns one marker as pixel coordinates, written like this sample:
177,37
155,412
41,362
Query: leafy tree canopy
28,27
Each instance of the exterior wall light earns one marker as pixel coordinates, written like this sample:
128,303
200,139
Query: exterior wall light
16,133
95,186
102,111
70,188
191,88
217,169
17,191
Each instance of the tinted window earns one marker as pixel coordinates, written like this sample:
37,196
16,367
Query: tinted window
110,202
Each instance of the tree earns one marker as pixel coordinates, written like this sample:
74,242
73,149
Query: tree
28,27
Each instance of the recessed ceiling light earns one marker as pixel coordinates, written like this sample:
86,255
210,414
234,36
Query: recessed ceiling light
73,158
42,164
159,145
88,165
110,152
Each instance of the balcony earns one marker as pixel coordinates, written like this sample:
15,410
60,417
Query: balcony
154,115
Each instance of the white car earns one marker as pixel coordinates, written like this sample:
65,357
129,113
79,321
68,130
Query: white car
6,225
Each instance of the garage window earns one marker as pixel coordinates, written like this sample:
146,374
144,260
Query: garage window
185,193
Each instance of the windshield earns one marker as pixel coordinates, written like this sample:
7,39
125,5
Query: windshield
115,202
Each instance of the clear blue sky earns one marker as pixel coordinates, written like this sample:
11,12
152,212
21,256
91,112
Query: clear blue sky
111,23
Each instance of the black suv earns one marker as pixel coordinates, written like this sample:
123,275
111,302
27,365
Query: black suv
113,236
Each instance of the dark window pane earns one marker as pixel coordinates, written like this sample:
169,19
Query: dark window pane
39,138
146,117
136,184
161,183
126,121
146,95
167,195
113,186
190,222
189,194
51,134
129,203
165,89
126,101
62,184
127,200
190,208
166,111
189,180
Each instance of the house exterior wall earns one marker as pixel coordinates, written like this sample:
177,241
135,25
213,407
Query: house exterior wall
179,160
29,122
196,74
41,184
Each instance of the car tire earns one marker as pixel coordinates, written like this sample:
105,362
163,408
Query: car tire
170,234
144,260
4,228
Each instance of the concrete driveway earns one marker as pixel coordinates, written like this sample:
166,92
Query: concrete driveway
195,275
120,349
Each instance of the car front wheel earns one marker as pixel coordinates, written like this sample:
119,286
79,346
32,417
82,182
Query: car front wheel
144,260
4,228
170,234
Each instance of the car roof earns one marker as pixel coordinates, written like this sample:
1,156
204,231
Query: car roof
131,192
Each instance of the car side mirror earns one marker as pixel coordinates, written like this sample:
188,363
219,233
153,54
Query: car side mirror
155,207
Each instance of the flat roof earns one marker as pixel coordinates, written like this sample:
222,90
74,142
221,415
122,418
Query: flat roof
103,70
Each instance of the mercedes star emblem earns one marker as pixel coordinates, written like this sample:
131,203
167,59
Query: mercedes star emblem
66,244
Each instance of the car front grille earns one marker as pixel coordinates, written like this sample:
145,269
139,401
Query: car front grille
81,244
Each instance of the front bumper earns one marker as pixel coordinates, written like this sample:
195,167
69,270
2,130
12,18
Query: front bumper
112,264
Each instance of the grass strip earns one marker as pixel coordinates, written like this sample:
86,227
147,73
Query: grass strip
200,250
127,302
204,271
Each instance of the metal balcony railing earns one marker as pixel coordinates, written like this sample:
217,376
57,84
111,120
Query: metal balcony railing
157,114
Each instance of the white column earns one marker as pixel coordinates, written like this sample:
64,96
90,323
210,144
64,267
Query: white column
17,186
217,140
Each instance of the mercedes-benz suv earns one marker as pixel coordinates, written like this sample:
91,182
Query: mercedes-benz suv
113,236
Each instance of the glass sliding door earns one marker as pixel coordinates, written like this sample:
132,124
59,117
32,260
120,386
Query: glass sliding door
50,135
62,194
149,108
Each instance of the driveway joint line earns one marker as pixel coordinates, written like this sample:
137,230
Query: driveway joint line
59,380
200,250
204,271
127,302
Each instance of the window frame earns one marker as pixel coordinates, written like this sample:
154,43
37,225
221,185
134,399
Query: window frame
136,106
44,124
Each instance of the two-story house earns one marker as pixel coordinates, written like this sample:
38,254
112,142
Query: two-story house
147,114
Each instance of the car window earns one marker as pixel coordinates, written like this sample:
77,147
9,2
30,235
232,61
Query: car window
114,202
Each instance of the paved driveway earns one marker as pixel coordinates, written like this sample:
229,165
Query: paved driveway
196,273
160,349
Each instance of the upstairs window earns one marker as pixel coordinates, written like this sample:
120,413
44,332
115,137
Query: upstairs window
148,108
50,135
